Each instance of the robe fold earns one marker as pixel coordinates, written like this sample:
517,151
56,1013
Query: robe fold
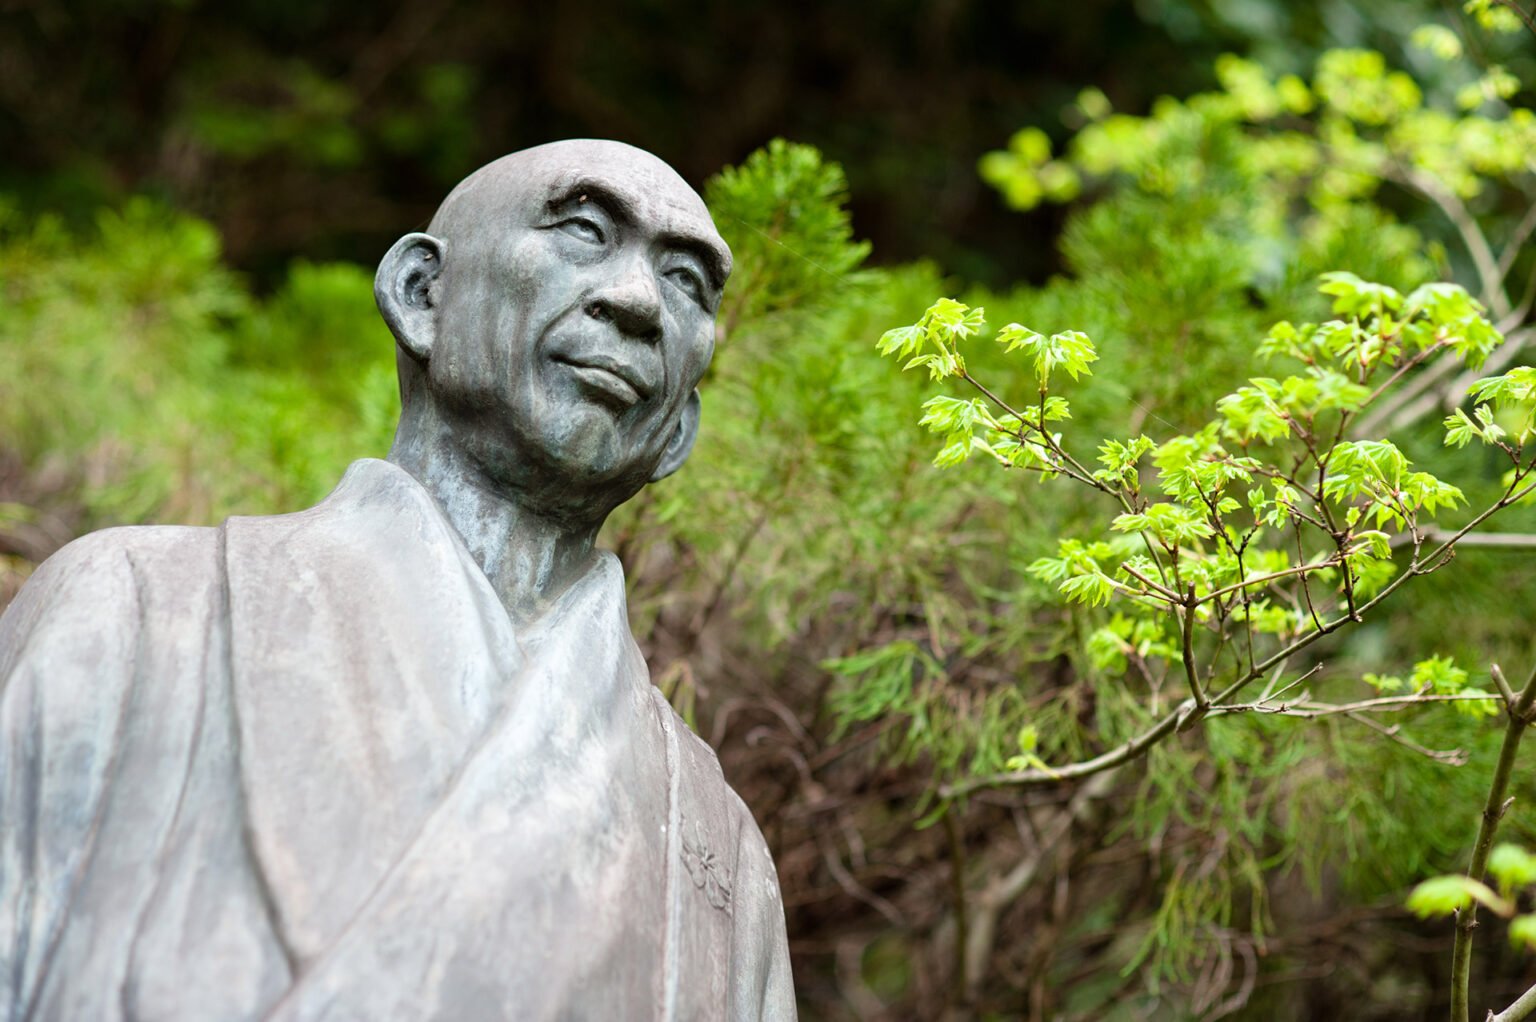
306,768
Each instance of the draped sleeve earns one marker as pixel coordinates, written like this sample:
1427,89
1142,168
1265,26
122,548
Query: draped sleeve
68,647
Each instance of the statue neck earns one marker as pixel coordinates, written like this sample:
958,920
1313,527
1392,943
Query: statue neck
530,558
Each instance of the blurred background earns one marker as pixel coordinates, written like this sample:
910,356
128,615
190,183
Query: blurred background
321,130
192,199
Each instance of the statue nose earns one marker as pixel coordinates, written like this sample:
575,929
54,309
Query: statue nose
632,303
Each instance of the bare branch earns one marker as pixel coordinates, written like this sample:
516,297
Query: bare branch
1309,709
1471,234
1450,757
1522,1008
1456,392
1489,539
1388,411
1191,674
1493,813
1497,673
1167,593
1331,562
1516,241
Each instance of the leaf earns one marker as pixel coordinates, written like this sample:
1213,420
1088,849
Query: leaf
957,448
1070,350
1107,649
1522,930
1512,866
1356,297
1439,675
1384,682
1437,40
1441,896
1174,524
1252,412
1475,708
1460,430
1094,589
955,320
1364,468
902,341
1120,459
954,415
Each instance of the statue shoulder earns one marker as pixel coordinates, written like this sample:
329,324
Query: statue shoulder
100,568
89,605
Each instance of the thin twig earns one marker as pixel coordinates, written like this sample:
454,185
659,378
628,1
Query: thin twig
1331,562
1450,757
1493,812
1191,674
1516,240
1523,1006
1077,471
1406,414
1403,370
1488,539
1497,674
1309,710
1471,234
1144,580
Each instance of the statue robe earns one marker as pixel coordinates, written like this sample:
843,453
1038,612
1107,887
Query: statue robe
306,768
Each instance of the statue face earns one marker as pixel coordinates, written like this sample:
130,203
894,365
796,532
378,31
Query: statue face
576,315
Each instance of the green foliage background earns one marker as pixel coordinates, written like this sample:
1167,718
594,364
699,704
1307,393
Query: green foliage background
851,627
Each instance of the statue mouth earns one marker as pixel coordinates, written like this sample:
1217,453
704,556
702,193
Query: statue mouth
607,378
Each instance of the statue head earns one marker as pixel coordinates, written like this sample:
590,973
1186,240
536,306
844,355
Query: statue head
554,321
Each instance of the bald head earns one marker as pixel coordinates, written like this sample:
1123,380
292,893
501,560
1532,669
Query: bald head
643,188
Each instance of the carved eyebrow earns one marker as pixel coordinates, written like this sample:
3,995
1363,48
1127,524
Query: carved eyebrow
704,251
582,192
613,201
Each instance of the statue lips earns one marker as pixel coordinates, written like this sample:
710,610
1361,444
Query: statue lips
611,379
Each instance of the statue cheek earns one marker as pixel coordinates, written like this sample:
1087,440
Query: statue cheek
699,353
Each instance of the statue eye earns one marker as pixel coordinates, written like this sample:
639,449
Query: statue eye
688,282
584,228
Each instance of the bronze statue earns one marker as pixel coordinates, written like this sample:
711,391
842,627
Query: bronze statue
397,756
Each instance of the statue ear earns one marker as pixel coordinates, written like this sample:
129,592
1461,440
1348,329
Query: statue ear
403,289
681,443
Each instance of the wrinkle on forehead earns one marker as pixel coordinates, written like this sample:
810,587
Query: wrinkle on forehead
659,198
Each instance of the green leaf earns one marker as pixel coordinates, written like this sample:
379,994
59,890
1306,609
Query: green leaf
1439,675
1070,350
1356,297
1252,412
1094,589
954,415
1512,866
1437,40
957,448
1460,430
1174,524
1493,17
1120,459
902,342
1384,682
1522,931
1475,708
955,320
1441,896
